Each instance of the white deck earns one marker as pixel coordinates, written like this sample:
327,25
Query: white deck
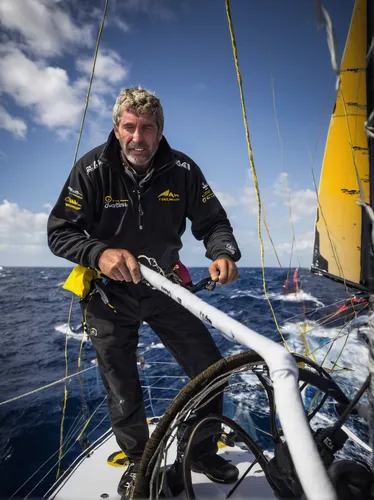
92,478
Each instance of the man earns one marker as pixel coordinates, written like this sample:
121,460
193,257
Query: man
131,197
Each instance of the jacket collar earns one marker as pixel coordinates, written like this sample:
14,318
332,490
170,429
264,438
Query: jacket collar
111,153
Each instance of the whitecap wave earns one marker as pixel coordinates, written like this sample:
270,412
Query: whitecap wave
64,328
299,296
330,345
156,346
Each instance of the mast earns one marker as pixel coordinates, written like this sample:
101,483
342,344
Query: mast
367,256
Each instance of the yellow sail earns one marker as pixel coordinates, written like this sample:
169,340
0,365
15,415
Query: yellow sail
345,176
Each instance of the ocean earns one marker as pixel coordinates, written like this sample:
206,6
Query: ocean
34,310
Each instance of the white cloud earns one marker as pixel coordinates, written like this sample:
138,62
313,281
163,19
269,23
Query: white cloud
303,201
45,27
226,200
45,90
20,229
47,206
249,200
40,29
14,125
23,237
304,244
109,66
158,8
122,25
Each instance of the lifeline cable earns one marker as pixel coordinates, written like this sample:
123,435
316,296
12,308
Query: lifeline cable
65,391
59,381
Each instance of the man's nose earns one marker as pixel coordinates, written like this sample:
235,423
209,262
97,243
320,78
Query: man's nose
137,135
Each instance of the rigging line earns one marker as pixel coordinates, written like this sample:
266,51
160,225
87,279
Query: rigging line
328,342
83,399
251,161
74,161
269,235
312,157
332,49
65,389
91,80
64,379
101,421
284,170
333,248
48,459
322,12
328,320
71,446
361,188
89,420
332,345
335,363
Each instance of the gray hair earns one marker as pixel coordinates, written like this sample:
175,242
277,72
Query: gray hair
140,101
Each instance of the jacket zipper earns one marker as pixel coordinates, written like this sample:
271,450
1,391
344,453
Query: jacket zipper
141,213
140,208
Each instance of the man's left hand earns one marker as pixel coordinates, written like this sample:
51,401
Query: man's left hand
224,271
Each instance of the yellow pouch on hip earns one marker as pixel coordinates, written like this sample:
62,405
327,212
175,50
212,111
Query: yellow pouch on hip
79,281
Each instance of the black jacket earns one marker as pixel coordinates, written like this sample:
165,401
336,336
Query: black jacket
103,206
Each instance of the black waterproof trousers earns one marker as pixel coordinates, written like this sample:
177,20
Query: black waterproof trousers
115,338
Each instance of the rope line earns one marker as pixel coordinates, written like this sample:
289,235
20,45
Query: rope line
91,80
285,172
56,382
252,165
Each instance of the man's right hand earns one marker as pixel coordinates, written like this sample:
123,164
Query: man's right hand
119,265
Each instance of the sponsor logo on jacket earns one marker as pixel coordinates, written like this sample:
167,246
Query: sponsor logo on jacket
230,247
184,164
168,196
96,164
111,203
72,203
75,192
207,192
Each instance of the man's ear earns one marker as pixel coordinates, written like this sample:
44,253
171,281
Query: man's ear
115,128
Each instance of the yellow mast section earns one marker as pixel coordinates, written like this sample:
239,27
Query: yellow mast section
345,170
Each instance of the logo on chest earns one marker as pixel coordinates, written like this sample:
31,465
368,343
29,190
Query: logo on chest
111,203
168,196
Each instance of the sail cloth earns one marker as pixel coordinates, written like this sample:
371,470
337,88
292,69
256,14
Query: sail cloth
342,247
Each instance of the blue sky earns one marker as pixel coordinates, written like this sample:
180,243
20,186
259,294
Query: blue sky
180,49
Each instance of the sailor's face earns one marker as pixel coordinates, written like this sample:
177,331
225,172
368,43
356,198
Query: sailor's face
139,137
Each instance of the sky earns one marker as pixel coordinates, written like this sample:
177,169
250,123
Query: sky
181,50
